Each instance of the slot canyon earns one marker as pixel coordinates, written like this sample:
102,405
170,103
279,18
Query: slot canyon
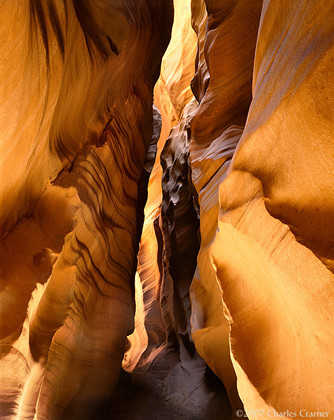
167,209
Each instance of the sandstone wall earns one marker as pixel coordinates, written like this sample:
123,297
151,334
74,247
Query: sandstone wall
191,245
76,117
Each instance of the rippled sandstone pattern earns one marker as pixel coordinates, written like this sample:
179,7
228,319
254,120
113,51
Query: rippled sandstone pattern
76,123
247,160
161,346
171,94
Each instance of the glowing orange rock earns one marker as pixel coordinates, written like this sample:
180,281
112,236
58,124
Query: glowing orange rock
271,248
76,124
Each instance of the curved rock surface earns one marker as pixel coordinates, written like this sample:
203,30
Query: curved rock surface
223,84
267,240
161,347
190,245
283,271
171,94
76,124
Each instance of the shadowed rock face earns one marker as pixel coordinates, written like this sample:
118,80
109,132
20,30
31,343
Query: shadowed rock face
227,36
192,244
161,348
76,125
265,221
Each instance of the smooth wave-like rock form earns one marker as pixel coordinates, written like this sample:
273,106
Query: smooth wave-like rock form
161,347
228,188
281,276
76,124
167,354
226,44
190,382
171,94
149,325
265,260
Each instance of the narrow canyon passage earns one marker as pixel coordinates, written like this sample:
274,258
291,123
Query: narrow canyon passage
167,205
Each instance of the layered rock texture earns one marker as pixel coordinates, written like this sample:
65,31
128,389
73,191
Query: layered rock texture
76,118
170,259
265,247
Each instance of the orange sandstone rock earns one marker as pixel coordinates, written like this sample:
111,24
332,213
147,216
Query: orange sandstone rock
76,124
268,241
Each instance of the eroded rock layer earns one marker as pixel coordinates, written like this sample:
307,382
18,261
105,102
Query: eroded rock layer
192,244
161,345
76,124
265,259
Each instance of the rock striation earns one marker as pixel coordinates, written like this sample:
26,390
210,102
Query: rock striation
263,218
76,124
187,242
